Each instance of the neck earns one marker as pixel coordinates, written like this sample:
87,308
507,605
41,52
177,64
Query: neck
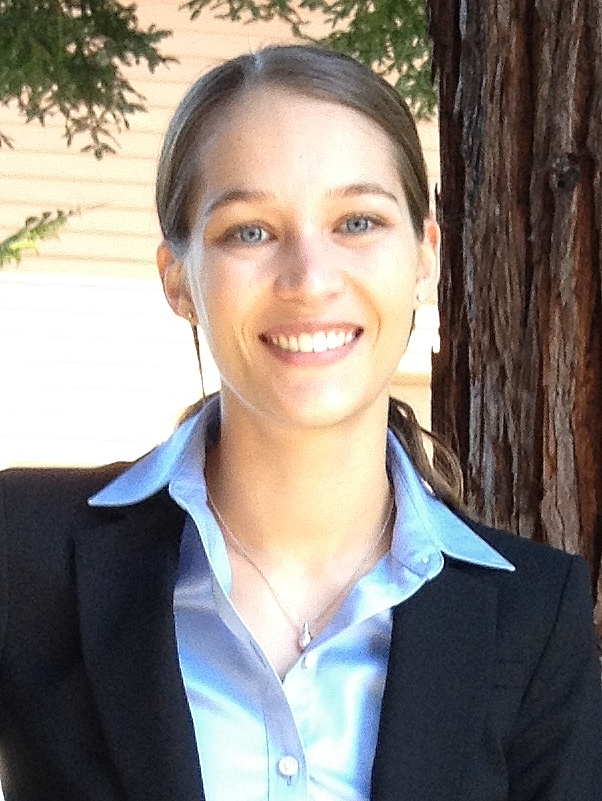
302,496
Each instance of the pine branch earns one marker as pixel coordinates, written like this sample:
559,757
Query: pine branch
33,231
66,57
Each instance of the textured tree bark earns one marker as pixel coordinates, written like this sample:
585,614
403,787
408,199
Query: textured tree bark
517,385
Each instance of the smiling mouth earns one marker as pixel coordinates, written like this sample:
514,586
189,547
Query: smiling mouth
316,342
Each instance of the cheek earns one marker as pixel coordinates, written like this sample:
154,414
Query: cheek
232,286
205,281
213,309
398,304
397,284
224,303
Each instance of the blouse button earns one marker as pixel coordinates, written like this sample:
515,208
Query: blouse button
288,766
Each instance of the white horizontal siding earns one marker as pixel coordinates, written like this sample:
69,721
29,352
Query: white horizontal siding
92,370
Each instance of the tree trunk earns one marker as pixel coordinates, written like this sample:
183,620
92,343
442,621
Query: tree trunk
517,385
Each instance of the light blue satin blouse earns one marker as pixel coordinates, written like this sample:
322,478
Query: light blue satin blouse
311,736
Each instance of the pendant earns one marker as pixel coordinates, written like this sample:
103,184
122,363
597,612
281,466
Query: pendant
305,637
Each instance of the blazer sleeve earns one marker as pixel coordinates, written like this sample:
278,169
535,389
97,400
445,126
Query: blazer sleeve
556,748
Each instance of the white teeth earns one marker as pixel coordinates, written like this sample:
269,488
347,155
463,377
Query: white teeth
319,342
306,342
336,339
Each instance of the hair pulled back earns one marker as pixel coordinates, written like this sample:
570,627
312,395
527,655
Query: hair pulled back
323,75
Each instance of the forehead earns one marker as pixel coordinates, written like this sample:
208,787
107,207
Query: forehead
280,129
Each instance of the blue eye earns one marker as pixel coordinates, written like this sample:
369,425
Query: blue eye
357,225
252,234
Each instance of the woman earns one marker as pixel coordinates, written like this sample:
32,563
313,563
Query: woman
284,600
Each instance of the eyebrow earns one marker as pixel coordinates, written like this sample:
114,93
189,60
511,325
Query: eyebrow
235,196
353,190
255,195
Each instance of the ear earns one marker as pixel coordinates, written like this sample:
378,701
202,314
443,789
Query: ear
173,278
427,275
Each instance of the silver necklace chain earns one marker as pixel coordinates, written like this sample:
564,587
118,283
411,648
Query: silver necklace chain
301,625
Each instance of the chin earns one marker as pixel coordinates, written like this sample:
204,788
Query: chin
324,413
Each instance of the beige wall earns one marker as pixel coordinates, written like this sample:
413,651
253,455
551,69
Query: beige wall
93,367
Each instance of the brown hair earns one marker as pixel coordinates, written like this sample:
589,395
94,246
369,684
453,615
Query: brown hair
328,76
322,74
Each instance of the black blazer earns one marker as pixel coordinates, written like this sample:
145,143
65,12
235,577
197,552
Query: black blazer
492,691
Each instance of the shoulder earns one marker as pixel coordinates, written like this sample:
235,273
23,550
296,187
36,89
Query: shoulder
37,501
41,509
59,478
548,589
542,617
533,561
42,491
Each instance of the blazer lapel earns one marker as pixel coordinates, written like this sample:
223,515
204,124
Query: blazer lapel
126,571
440,667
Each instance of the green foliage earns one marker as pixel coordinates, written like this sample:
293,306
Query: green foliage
390,36
26,238
66,56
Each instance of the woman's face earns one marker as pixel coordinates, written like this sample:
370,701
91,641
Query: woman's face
305,265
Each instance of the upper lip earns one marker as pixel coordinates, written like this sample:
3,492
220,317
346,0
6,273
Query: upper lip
293,329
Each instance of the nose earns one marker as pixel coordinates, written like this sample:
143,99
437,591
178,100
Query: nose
309,270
